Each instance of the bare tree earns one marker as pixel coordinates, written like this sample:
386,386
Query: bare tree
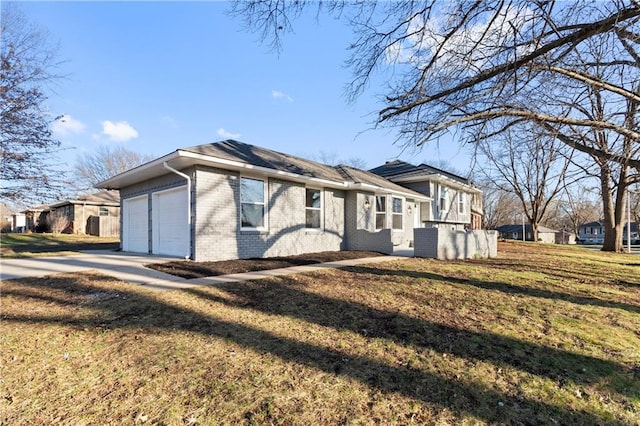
529,165
333,159
572,68
500,207
576,206
57,222
27,146
105,162
466,64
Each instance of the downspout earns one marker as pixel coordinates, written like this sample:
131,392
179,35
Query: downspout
168,167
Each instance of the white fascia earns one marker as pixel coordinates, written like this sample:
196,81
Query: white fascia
379,189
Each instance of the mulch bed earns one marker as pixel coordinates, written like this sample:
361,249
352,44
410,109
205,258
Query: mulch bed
189,269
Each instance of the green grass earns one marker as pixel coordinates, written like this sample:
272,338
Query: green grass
541,335
26,245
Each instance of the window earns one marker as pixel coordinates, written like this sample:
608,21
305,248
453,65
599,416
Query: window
252,203
381,211
313,208
396,213
462,200
444,199
104,211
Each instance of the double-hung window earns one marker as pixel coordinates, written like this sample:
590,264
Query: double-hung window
462,200
313,209
252,203
381,212
396,213
103,211
444,199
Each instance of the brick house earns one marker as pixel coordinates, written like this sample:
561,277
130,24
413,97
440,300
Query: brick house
231,200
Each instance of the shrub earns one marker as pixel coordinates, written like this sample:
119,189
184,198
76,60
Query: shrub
57,222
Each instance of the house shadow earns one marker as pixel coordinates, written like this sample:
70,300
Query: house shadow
139,308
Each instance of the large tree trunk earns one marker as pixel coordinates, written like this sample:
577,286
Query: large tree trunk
613,209
534,231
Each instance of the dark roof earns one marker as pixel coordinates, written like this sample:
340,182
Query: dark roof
254,155
250,154
591,224
518,228
362,176
402,169
107,198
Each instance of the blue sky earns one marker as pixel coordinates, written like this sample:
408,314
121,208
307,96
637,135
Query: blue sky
155,77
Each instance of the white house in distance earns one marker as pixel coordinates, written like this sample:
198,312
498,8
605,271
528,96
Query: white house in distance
230,200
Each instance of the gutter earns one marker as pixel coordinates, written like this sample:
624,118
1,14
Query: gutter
168,167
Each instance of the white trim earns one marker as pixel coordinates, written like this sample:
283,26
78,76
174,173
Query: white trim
265,204
385,211
401,214
321,209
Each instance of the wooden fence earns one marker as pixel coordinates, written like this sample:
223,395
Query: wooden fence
104,226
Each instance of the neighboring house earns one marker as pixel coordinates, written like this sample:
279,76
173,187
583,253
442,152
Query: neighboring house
93,214
593,233
455,201
18,222
231,200
34,218
514,232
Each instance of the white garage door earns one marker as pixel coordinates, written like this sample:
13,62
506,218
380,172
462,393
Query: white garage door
135,225
170,230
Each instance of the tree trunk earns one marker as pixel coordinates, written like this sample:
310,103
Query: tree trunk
613,210
534,231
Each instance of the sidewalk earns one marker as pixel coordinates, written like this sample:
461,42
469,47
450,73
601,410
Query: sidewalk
130,268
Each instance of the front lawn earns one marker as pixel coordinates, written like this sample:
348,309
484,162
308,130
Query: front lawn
542,335
36,244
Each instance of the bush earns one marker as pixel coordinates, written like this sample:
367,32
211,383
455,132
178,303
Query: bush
57,222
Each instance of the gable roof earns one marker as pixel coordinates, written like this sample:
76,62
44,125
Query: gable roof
239,156
257,156
100,198
401,171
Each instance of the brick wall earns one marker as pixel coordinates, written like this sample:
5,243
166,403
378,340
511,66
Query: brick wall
444,244
217,219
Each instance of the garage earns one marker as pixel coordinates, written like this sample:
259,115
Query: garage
170,227
135,225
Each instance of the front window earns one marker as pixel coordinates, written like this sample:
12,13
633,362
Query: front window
462,199
104,211
396,213
252,203
313,208
381,211
443,199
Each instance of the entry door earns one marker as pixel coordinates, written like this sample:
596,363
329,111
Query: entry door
135,225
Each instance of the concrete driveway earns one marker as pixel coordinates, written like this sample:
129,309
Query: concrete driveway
124,266
129,267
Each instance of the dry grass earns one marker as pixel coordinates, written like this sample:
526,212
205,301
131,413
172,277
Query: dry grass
28,245
542,335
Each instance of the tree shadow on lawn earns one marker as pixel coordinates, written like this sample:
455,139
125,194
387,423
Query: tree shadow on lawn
502,287
554,270
125,309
